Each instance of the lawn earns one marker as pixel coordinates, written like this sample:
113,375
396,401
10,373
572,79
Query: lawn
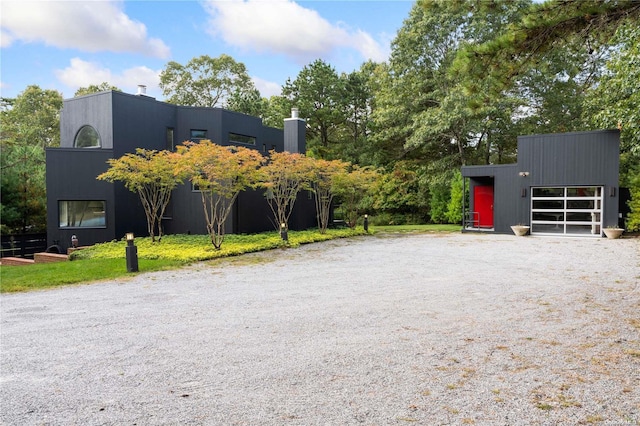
107,261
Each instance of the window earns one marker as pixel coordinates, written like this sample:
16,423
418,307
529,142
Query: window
249,140
197,134
87,137
82,214
170,142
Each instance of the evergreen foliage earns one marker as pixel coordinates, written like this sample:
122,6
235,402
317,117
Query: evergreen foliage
464,79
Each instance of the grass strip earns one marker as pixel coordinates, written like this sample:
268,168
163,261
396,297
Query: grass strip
106,261
49,275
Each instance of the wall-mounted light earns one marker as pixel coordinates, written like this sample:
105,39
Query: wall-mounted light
612,191
523,174
523,192
131,253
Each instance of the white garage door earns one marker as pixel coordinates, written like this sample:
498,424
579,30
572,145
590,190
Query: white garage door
571,210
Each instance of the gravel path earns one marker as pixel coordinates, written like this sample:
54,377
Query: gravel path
389,330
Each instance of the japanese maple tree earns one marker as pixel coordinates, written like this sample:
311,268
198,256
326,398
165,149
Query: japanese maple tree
220,173
285,175
152,175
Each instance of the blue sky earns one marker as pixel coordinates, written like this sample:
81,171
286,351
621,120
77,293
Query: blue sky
64,45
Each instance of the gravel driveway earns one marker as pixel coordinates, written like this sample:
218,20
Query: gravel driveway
386,330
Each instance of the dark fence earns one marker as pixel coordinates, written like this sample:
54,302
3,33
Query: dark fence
23,245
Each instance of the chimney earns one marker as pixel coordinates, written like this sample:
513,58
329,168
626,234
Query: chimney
294,133
142,90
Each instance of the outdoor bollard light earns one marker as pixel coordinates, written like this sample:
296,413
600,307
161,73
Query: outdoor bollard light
283,232
74,241
366,223
131,252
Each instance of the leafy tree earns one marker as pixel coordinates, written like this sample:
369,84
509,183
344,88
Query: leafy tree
322,182
23,207
152,175
358,104
95,88
423,126
208,82
248,102
403,192
277,109
538,31
633,218
615,102
285,175
316,92
439,121
220,173
439,202
30,123
454,208
352,187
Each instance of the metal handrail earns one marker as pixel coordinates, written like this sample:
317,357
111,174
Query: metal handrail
472,220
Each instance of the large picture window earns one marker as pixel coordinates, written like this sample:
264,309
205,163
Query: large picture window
82,214
87,137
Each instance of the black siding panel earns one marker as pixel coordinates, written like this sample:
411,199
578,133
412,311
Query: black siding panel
94,110
140,122
574,159
71,175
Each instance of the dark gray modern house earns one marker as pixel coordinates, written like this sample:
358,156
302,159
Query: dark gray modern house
562,184
97,127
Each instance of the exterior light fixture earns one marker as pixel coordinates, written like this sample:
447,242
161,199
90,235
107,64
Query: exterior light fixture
283,232
523,174
131,252
74,241
366,223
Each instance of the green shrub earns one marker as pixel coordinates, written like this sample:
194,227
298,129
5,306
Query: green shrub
194,248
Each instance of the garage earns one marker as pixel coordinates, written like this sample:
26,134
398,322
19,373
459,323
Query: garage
567,211
563,184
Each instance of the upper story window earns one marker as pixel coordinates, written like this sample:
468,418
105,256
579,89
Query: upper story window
249,140
198,134
87,137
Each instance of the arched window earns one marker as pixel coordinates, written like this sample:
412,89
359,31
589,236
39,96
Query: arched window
87,137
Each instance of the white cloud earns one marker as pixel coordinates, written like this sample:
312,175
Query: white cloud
285,27
5,38
82,74
267,88
85,25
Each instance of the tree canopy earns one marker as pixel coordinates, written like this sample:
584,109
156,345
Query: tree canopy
95,88
463,80
30,123
543,28
220,173
152,175
208,82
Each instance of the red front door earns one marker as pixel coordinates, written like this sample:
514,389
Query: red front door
483,205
